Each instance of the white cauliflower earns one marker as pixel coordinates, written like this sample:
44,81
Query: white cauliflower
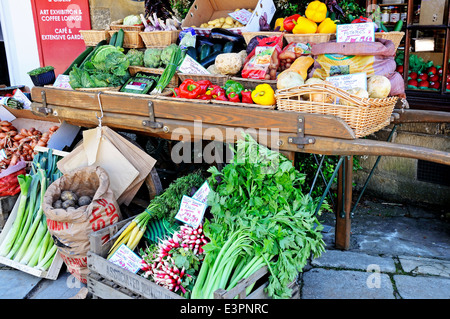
228,63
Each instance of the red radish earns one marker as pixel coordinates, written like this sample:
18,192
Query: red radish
399,68
423,77
424,84
413,75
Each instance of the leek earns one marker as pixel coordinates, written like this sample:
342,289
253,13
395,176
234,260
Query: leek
7,244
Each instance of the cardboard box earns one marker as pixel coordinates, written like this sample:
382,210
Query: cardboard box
432,12
203,11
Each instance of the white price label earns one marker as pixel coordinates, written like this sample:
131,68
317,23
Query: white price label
191,211
126,258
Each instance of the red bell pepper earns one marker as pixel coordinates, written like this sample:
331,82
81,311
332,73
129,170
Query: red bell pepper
290,22
217,90
189,89
362,19
233,97
247,96
176,92
204,84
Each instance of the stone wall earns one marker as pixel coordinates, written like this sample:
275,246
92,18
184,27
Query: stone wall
395,178
103,12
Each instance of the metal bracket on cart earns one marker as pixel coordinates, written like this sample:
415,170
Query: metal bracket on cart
151,115
44,109
301,140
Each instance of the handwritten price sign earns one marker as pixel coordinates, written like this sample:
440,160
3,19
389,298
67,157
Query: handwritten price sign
355,32
191,211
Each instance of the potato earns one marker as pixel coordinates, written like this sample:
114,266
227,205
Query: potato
229,20
227,26
57,204
222,20
218,25
67,195
84,200
68,203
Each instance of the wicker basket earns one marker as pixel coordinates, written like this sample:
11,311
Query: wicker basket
131,39
93,37
309,37
159,38
364,115
174,82
394,36
127,27
250,35
216,79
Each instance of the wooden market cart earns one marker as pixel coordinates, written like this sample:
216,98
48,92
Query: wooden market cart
288,131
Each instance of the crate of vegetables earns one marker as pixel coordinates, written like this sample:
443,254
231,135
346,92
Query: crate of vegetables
110,281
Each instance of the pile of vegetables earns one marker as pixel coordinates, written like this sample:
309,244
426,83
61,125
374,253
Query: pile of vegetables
18,145
260,218
69,199
9,184
105,65
28,241
225,22
231,91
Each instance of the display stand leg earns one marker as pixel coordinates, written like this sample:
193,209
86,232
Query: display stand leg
344,203
290,155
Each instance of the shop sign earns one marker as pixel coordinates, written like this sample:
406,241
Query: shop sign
57,24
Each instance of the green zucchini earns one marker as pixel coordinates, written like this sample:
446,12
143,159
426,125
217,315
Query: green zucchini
119,40
192,52
228,47
210,59
90,55
80,58
113,39
217,47
205,50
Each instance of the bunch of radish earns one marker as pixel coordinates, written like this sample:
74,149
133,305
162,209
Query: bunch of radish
160,265
18,145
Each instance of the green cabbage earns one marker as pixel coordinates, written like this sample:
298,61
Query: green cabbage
132,20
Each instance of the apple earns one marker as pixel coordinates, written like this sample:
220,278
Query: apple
432,70
399,68
413,83
435,85
423,77
413,75
434,78
424,84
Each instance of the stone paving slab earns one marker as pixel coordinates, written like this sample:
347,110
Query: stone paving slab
425,266
64,287
16,284
353,260
422,287
319,283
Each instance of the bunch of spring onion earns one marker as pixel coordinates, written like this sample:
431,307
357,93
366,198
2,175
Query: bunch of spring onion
176,59
28,241
162,265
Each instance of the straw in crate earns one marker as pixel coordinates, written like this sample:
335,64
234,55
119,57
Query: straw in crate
364,115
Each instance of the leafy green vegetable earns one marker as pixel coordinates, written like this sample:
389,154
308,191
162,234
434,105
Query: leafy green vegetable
132,20
136,57
257,201
152,58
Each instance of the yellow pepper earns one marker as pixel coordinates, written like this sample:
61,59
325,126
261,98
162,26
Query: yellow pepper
316,11
304,26
327,26
263,94
279,23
